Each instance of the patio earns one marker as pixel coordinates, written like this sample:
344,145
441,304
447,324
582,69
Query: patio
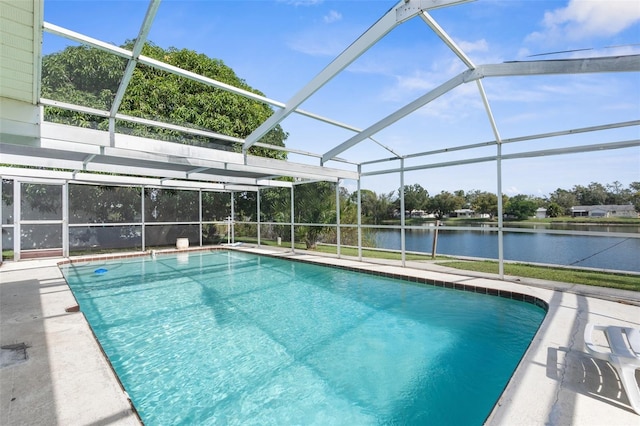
66,378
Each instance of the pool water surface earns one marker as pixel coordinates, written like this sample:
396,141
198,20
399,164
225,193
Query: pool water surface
226,337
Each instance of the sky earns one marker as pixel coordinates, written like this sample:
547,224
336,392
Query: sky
278,46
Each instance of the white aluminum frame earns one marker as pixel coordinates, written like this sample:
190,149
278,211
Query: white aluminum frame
172,165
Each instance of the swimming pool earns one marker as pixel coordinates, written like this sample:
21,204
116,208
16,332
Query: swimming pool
227,337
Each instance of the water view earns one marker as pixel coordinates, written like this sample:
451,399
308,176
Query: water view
616,253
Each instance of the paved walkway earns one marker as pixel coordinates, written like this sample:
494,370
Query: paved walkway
66,379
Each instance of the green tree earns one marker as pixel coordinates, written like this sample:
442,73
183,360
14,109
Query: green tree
565,199
444,203
593,194
617,194
554,210
315,205
104,204
521,207
485,203
415,197
375,208
469,197
275,204
348,215
634,194
90,77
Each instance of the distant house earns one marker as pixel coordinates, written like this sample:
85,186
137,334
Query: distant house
421,214
470,213
541,213
612,210
463,213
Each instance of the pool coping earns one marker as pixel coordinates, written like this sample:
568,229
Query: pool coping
548,386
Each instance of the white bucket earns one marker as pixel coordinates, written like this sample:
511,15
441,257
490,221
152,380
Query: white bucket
182,243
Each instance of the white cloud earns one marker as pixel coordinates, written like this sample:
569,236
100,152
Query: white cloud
474,46
331,17
317,41
512,190
584,19
410,85
452,106
419,81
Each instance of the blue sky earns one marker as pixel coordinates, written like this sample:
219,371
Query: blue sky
278,46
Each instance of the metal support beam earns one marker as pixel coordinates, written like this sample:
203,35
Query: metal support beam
500,211
496,134
17,219
123,53
359,215
512,140
575,149
529,154
232,219
397,115
350,54
143,225
65,219
258,215
200,214
137,49
139,120
292,220
402,218
629,63
338,218
403,11
446,39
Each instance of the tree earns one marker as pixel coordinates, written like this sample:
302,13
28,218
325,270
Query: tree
592,195
348,215
104,204
634,194
554,210
415,197
470,196
90,77
314,205
617,194
565,199
375,208
444,204
521,207
485,203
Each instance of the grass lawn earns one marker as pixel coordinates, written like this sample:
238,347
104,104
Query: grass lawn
349,251
575,276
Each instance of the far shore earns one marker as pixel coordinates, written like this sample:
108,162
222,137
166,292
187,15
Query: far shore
562,220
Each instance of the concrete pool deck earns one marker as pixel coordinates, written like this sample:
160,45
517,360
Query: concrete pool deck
65,378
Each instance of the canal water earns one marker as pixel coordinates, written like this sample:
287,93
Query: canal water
605,252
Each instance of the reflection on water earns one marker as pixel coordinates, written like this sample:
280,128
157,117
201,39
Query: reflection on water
604,252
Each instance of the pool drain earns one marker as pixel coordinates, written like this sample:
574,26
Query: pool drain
13,354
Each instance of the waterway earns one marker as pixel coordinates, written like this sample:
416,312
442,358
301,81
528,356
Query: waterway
603,252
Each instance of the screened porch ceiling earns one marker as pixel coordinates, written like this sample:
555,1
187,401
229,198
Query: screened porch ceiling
86,155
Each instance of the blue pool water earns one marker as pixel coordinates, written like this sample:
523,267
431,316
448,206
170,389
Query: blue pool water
233,338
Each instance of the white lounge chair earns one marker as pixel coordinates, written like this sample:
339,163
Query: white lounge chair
623,355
